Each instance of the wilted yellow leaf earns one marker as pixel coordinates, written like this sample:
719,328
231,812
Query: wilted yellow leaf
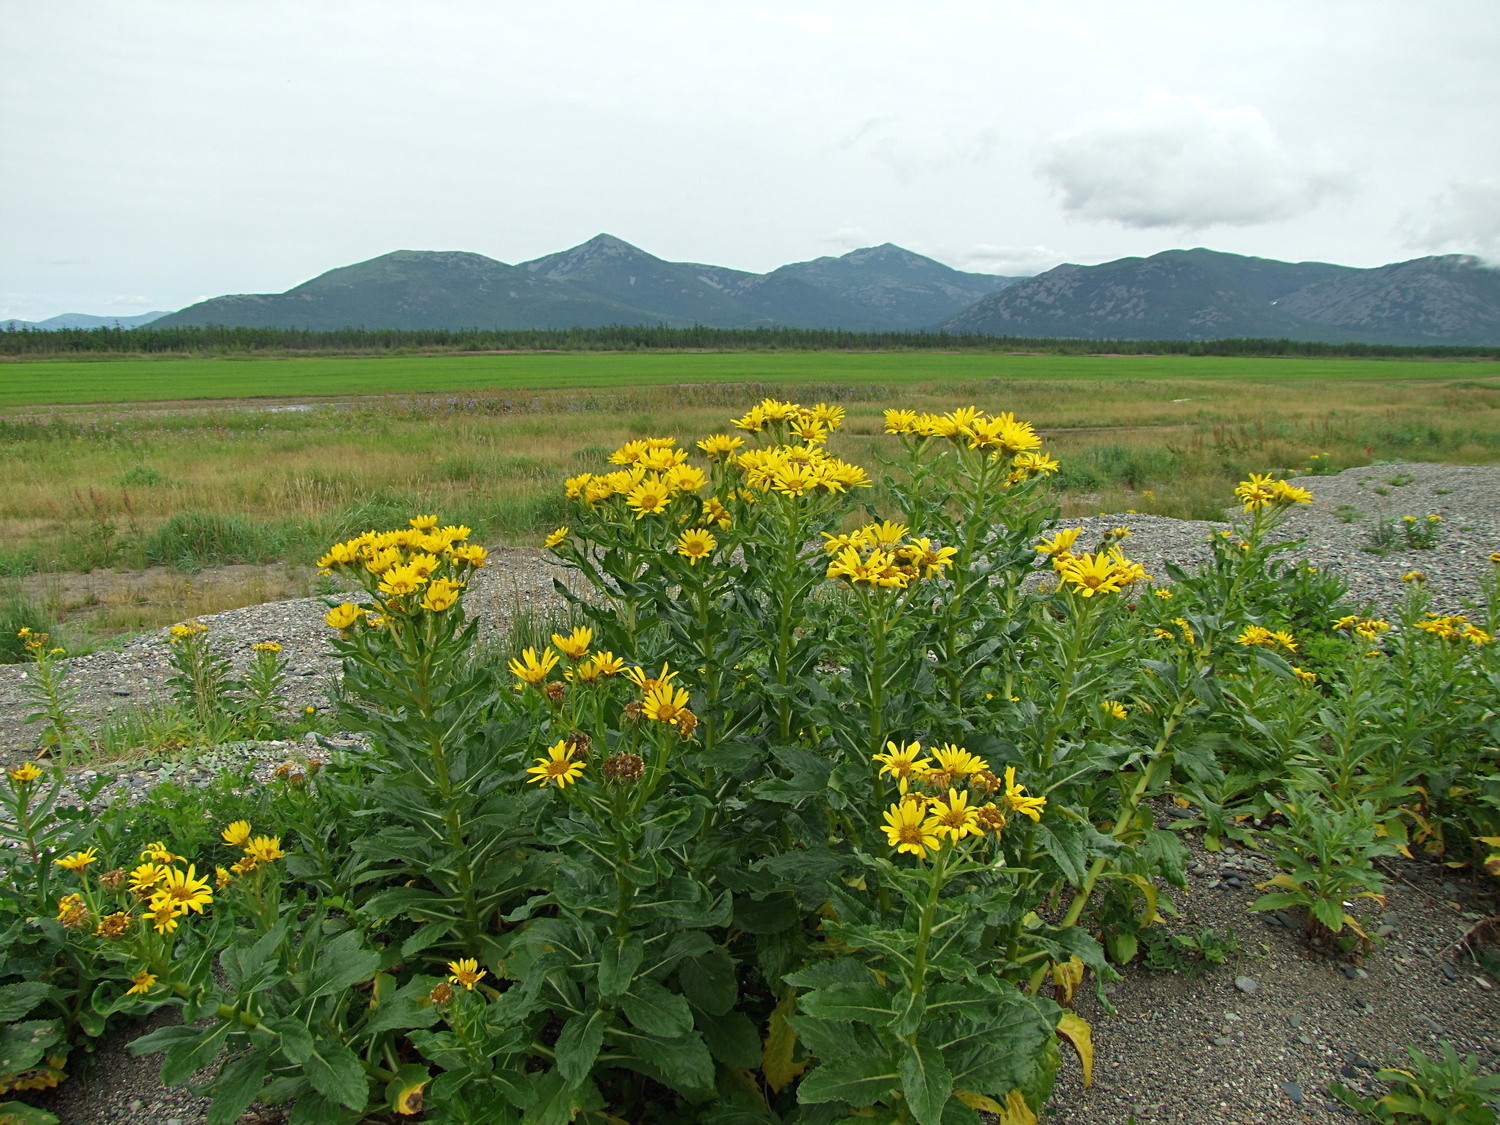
1016,1111
979,1101
776,1054
1066,977
1075,1030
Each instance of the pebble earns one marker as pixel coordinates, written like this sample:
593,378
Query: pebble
1294,1020
1304,1038
1221,1041
1293,1091
1246,984
1450,972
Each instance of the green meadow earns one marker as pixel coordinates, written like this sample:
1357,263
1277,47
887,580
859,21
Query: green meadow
71,382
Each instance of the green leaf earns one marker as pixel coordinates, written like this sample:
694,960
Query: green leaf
578,1045
732,1039
926,1082
22,1045
617,965
554,1102
341,964
336,1072
18,1113
296,1042
652,1009
235,1088
860,1080
162,1038
18,999
314,1109
865,1002
709,982
187,1057
1065,845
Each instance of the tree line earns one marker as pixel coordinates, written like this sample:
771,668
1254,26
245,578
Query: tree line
215,340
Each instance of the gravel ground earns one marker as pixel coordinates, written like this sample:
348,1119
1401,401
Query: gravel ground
1254,1042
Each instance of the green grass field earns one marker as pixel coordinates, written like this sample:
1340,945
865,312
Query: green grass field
72,382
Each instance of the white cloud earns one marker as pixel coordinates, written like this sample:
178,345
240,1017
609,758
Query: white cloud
1464,219
1177,161
1010,261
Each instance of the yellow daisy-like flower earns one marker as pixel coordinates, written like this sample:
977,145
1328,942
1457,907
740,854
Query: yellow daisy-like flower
649,683
114,925
67,904
1414,576
957,761
145,877
576,644
1060,543
164,914
720,445
1104,573
1017,800
441,594
237,835
664,703
1304,676
79,860
695,544
184,889
684,478
343,616
1284,639
158,852
264,849
900,421
557,767
423,523
1164,595
532,669
907,829
604,664
140,984
649,497
903,763
466,971
470,554
1113,709
1255,635
25,773
953,818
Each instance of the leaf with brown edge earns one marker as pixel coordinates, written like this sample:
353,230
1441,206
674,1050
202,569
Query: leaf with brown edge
776,1055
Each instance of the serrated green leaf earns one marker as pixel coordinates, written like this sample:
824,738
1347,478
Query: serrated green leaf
235,1088
653,1009
16,1000
618,963
578,1045
926,1082
863,1002
860,1080
336,1072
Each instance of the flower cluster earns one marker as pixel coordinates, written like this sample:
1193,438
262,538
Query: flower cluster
257,850
1264,491
421,567
798,470
186,631
661,700
935,797
1454,628
1106,571
999,435
879,556
810,424
1369,628
1260,635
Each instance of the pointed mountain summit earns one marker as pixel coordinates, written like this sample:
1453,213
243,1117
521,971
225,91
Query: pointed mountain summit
895,286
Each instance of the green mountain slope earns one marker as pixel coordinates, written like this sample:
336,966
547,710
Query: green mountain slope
1203,295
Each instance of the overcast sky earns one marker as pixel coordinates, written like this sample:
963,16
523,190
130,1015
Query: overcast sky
155,152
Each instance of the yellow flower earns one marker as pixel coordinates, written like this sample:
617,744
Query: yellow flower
557,538
930,560
558,766
957,761
158,852
531,669
67,904
1414,576
466,971
184,889
267,646
470,554
25,773
342,616
164,914
147,876
1102,573
141,983
953,817
1255,635
720,445
900,421
696,543
1017,800
684,478
237,835
575,644
664,703
1304,676
79,860
602,664
1113,709
650,496
903,763
441,594
423,523
1061,543
648,683
1164,595
907,830
264,849
1284,639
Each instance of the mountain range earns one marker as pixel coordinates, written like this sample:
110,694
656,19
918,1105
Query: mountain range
1175,295
81,320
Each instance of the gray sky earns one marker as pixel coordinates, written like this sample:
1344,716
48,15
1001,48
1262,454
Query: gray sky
160,151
